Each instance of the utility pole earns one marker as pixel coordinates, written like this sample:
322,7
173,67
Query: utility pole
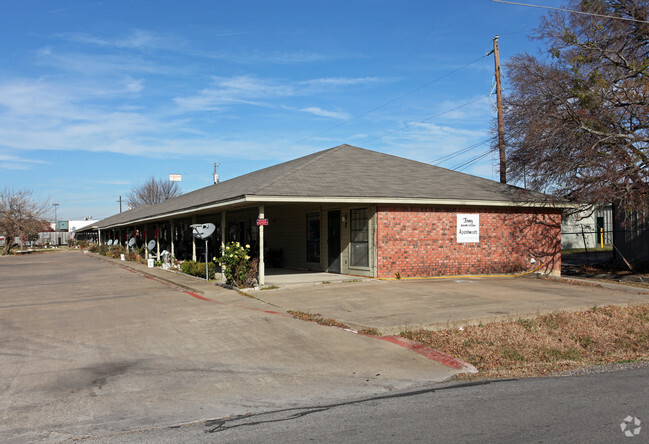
120,203
56,221
56,218
499,105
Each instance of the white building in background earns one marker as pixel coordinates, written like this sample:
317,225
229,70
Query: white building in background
61,231
74,225
585,228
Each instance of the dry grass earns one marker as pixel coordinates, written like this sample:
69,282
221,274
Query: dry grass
317,318
547,344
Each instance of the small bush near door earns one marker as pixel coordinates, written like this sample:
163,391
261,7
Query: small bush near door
197,269
238,269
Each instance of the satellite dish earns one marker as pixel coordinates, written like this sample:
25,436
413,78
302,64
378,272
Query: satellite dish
131,242
203,231
151,245
109,243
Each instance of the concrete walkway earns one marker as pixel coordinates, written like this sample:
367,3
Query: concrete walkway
394,306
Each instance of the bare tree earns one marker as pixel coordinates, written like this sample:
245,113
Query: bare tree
20,215
577,118
152,191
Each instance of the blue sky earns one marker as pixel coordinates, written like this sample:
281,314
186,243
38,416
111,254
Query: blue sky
95,97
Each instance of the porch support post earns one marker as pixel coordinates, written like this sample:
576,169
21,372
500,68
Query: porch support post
98,236
157,241
224,221
146,243
262,270
193,241
171,228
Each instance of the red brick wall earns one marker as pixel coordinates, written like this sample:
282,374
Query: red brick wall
422,241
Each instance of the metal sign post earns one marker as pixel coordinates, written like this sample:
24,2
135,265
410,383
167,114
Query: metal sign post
203,231
207,273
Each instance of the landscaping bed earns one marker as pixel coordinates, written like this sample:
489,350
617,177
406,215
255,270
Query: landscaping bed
548,344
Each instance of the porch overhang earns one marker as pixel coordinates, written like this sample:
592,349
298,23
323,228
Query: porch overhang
256,199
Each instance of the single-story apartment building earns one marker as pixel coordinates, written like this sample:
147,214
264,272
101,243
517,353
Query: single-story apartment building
354,211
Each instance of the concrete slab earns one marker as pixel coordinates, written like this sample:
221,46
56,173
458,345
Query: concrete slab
283,277
90,348
394,306
437,303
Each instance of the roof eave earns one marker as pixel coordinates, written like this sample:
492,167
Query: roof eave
408,201
177,213
343,199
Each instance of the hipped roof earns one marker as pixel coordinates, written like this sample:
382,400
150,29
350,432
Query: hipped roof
341,174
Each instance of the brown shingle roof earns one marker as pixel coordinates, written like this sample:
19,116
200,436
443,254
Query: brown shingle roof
342,172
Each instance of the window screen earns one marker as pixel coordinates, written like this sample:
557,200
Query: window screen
313,237
359,238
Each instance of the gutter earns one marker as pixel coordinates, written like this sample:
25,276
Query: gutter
258,199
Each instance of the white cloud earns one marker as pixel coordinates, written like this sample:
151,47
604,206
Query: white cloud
10,162
257,91
134,85
341,81
234,90
101,64
324,113
147,41
37,115
137,39
433,130
285,57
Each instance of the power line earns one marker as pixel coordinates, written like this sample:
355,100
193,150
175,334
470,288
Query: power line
572,10
471,161
460,152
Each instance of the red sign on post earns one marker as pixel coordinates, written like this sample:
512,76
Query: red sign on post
262,222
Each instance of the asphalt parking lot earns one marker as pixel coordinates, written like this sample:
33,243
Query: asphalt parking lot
96,347
90,348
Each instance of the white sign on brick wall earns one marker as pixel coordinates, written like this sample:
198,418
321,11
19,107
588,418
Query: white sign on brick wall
468,228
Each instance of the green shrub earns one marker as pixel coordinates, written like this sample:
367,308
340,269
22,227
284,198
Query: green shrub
238,269
100,249
197,269
82,244
115,251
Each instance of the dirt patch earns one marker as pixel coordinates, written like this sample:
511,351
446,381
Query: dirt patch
602,266
317,318
547,344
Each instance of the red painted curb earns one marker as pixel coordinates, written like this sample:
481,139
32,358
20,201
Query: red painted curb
431,353
203,298
424,350
197,296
